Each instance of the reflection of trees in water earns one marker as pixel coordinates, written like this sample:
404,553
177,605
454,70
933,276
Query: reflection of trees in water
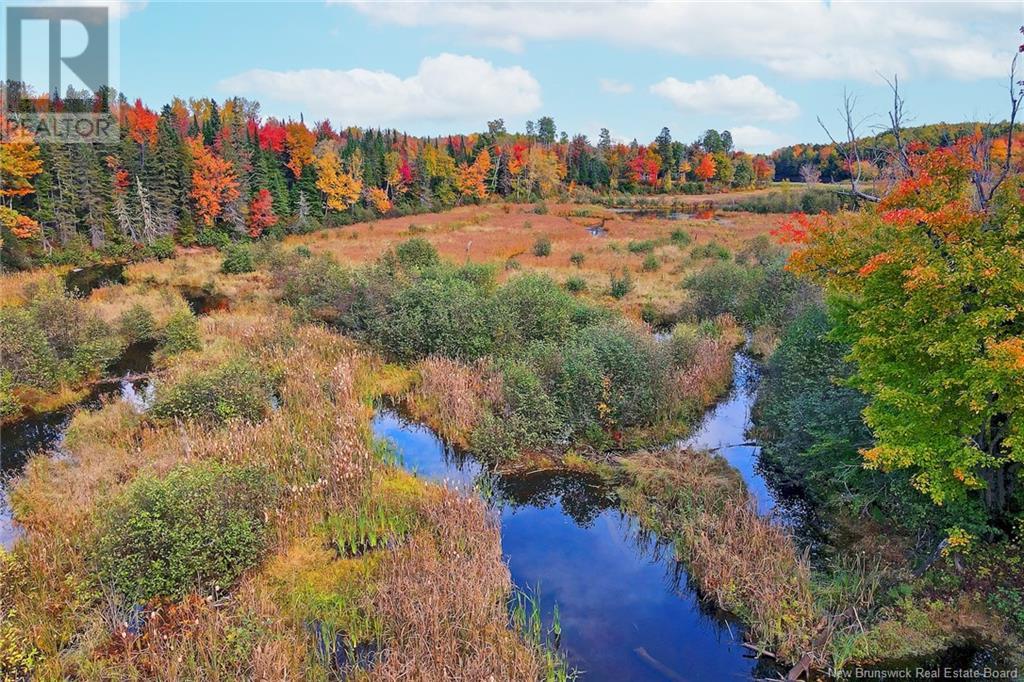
581,496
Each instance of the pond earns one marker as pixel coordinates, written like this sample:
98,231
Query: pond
202,302
81,281
44,432
626,609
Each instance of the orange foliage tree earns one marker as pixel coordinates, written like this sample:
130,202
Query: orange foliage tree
299,142
471,180
929,291
706,168
214,184
19,163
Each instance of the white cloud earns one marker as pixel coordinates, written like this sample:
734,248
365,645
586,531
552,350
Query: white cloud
744,96
614,87
839,40
445,88
754,139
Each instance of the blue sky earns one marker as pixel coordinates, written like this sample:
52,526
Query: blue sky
764,70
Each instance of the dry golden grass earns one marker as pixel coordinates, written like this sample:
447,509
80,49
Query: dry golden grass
452,397
12,284
495,233
111,302
317,444
743,561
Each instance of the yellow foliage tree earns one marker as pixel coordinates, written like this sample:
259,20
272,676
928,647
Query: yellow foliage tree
340,188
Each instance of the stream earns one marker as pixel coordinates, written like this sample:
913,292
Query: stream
626,609
44,433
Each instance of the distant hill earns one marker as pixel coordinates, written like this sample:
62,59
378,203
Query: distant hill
875,148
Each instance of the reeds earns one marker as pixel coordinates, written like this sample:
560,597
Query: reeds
452,396
743,562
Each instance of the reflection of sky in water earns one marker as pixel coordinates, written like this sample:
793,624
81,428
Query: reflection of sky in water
44,434
618,601
724,427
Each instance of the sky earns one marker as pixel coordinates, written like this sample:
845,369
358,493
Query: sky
765,71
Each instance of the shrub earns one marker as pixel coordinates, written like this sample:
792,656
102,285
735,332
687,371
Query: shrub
199,527
529,308
417,253
681,237
541,208
651,263
620,286
513,264
316,285
609,376
577,259
162,248
9,403
181,333
717,289
575,285
542,247
54,338
236,389
644,246
442,314
213,237
238,259
527,418
137,324
802,410
710,250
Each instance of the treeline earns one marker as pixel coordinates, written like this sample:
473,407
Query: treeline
813,162
206,172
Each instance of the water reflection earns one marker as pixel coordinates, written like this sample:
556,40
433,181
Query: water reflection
81,281
44,433
626,607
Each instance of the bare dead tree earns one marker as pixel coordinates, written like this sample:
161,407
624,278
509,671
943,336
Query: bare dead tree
810,173
850,149
899,155
985,179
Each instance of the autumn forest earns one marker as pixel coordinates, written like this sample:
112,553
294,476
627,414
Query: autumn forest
283,399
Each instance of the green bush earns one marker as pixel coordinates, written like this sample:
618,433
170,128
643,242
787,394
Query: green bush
162,248
199,528
577,258
710,250
236,389
575,284
137,324
238,259
620,286
417,253
541,208
9,403
613,365
754,295
651,263
529,308
181,333
644,246
681,237
542,247
527,419
54,338
213,237
717,289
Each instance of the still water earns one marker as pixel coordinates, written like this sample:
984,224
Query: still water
626,610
